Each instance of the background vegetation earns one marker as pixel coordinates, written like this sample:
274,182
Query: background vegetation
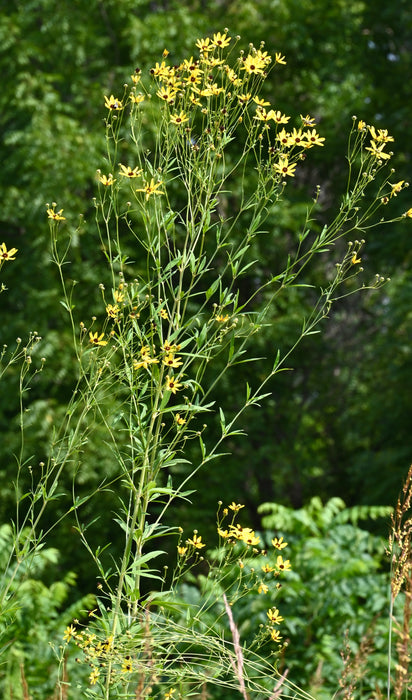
339,425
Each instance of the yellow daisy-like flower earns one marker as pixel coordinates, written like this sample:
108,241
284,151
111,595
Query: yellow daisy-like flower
263,588
220,40
313,138
179,119
222,319
408,213
377,151
179,420
96,339
164,314
236,506
172,361
355,260
397,187
267,569
280,59
181,551
7,254
261,102
127,171
223,533
280,118
283,565
361,125
69,633
172,384
112,310
195,541
137,99
284,167
151,188
106,180
94,676
170,347
113,103
381,136
275,635
169,693
278,543
56,215
127,665
168,94
253,65
308,120
204,45
145,361
243,99
274,617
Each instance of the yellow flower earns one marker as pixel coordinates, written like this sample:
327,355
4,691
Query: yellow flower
69,633
296,136
361,125
179,118
7,254
112,310
151,188
280,59
235,506
275,635
377,151
279,118
253,65
181,551
94,676
223,533
313,138
167,94
127,665
408,213
170,347
222,319
283,565
164,314
172,384
397,187
136,99
196,541
145,361
244,98
172,361
267,569
284,138
179,420
113,103
261,102
170,693
355,260
381,136
96,339
127,171
57,216
118,296
308,120
263,588
284,167
106,181
220,40
204,45
278,543
274,617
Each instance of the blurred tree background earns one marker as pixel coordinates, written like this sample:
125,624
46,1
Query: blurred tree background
339,424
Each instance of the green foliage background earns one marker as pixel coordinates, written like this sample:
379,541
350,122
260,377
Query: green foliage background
339,424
